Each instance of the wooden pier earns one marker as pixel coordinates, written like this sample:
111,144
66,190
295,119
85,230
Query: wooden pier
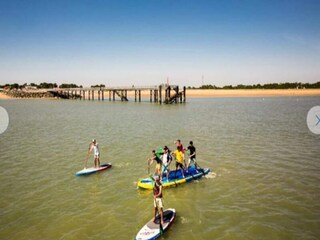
164,93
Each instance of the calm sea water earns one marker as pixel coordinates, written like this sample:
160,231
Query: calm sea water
265,180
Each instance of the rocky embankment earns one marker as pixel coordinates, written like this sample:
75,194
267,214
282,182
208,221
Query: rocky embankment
28,94
39,94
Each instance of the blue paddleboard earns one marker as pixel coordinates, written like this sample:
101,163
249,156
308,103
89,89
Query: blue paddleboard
88,171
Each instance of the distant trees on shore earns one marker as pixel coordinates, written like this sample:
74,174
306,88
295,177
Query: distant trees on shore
286,85
71,85
39,86
98,85
45,85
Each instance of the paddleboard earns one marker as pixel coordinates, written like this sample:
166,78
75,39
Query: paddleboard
152,229
175,178
88,171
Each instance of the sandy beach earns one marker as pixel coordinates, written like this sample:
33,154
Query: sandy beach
4,96
251,92
208,93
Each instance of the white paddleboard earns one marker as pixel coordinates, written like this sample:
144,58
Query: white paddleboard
152,229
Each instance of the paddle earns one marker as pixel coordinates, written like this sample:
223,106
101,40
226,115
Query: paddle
189,172
187,168
86,161
160,224
200,168
85,164
152,179
148,162
196,165
165,167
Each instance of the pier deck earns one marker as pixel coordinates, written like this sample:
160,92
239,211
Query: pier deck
164,93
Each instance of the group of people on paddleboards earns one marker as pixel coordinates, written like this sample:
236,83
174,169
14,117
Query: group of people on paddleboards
163,161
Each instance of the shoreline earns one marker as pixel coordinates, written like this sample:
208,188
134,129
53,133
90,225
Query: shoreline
212,93
203,93
5,96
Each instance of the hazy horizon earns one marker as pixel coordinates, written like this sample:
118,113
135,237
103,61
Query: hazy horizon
191,43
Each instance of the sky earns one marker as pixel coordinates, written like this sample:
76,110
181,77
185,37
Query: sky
149,42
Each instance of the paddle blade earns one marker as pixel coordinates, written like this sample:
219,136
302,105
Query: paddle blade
161,228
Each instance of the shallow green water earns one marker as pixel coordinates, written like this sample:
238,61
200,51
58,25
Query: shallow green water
265,180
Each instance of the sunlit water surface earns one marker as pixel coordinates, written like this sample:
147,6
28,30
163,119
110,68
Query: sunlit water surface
264,184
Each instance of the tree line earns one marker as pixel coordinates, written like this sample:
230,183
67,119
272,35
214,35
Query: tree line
44,85
286,85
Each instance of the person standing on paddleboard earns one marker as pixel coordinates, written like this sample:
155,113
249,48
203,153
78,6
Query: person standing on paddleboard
154,157
179,144
179,159
192,154
166,160
94,146
157,199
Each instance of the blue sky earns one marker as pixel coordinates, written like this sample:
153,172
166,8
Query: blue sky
120,43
